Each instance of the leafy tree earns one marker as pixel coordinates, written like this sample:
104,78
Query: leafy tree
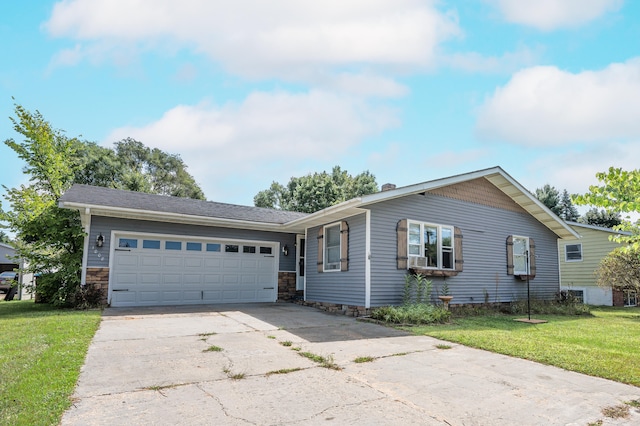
601,217
132,165
4,238
50,238
619,191
316,191
550,197
568,211
620,269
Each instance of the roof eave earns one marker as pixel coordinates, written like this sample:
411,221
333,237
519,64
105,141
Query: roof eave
128,213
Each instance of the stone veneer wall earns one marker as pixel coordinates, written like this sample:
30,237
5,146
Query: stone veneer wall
287,287
336,308
99,277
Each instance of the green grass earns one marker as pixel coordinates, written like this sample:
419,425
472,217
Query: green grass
213,348
43,349
604,344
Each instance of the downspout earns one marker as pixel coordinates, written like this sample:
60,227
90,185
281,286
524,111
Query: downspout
367,263
306,263
85,249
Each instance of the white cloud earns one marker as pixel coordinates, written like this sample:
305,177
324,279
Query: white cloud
548,15
265,133
509,62
281,38
547,106
575,169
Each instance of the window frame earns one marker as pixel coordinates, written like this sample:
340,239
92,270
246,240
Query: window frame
566,253
627,295
526,253
331,266
440,248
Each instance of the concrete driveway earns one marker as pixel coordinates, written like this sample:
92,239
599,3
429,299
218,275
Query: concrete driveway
158,366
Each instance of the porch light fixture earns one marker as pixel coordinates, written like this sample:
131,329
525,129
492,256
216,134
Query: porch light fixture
285,250
100,240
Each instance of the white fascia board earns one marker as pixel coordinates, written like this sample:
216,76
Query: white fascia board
329,214
535,207
127,213
597,228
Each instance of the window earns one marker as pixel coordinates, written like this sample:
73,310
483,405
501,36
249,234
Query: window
577,295
332,247
128,242
430,246
194,246
265,250
213,247
573,253
630,298
520,255
173,245
231,248
151,244
248,249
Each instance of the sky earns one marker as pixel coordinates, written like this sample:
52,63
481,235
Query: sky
248,92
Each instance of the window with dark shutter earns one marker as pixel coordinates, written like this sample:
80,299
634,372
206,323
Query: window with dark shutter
521,257
344,246
320,249
401,257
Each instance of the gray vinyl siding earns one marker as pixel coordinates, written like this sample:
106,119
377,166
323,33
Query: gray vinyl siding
484,229
99,257
348,287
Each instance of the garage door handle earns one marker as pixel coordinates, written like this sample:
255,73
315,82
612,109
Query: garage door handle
121,249
120,289
268,288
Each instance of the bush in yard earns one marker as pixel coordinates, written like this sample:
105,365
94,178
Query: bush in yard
415,314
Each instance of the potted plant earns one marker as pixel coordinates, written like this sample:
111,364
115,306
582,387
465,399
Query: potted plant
445,297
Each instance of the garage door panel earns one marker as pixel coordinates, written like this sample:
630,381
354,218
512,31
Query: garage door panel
212,296
212,263
124,279
149,279
157,276
125,261
192,296
148,296
150,261
233,264
192,263
170,297
172,261
172,279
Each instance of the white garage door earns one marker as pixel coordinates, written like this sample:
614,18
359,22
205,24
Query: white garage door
150,271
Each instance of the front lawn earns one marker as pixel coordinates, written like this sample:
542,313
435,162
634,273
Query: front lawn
43,349
604,344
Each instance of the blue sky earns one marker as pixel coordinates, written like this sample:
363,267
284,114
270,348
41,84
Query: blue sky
252,91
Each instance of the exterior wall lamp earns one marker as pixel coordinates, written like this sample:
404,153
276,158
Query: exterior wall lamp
285,250
100,240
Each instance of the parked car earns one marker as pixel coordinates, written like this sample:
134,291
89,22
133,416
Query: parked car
7,279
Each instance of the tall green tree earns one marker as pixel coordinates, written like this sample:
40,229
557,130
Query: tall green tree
568,211
4,238
618,191
601,217
133,166
50,238
550,197
316,191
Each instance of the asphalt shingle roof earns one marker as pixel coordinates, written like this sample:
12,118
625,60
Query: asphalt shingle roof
107,197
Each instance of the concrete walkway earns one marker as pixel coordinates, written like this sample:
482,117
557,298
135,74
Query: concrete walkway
158,366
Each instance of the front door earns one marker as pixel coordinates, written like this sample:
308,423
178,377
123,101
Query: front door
300,244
